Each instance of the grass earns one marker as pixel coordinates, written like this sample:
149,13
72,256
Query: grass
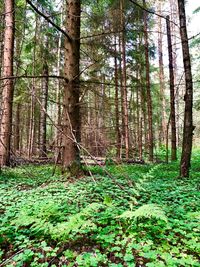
144,216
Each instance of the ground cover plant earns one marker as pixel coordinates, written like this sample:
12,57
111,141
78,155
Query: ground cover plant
144,215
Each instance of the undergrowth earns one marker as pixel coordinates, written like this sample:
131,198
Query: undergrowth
144,216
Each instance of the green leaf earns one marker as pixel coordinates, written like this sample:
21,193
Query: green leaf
150,211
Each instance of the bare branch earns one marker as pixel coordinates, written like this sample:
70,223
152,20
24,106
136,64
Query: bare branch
50,21
151,12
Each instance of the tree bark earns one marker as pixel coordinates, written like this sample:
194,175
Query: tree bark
7,94
188,115
58,136
118,134
124,88
71,127
163,123
43,116
175,34
32,123
148,88
172,97
17,128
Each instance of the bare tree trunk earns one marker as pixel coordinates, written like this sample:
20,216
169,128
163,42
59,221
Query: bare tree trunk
172,97
175,34
139,119
31,141
188,116
122,97
17,128
72,119
43,116
7,94
124,88
1,45
148,88
163,122
118,134
32,120
58,136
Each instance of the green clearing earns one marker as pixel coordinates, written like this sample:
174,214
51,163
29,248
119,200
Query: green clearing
146,216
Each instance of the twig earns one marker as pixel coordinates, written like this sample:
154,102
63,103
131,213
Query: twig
152,12
10,258
50,21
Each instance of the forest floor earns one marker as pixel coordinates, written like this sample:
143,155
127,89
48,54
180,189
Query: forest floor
141,215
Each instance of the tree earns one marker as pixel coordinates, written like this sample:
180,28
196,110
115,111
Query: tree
71,109
163,123
172,94
148,88
124,82
7,94
188,127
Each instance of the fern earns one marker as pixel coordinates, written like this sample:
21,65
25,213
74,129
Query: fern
77,223
149,211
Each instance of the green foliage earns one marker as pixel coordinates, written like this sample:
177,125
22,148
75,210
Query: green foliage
152,221
196,10
149,211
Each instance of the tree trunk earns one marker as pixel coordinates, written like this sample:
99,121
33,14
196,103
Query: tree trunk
163,123
58,135
124,88
71,129
175,35
148,88
118,135
188,116
43,116
32,123
138,108
172,97
17,128
7,94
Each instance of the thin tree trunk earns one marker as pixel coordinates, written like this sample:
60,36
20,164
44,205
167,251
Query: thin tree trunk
124,88
122,97
72,119
118,134
161,78
143,109
188,116
43,116
17,128
7,94
139,120
148,88
172,97
58,136
175,35
31,141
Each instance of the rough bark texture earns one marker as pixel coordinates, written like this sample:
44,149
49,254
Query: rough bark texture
172,97
188,117
71,110
148,88
7,94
